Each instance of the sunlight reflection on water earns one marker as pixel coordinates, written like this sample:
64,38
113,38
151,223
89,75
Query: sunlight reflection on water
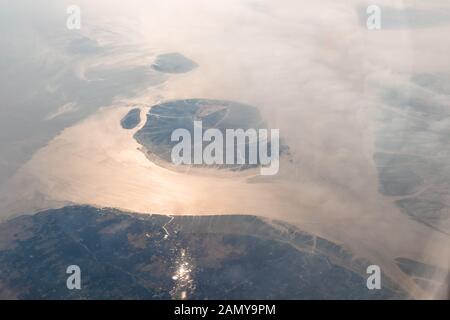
184,282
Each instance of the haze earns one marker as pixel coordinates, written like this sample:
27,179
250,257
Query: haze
312,68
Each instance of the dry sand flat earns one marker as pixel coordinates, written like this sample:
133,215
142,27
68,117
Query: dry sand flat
98,162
